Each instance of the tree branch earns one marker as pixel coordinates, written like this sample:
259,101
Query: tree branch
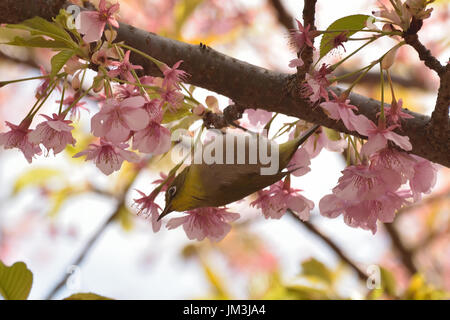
15,11
405,253
424,54
257,87
361,274
283,16
309,13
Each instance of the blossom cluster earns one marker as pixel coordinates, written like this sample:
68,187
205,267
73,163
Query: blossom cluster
131,117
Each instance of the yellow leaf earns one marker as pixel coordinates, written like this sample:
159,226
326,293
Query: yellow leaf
15,281
87,296
35,177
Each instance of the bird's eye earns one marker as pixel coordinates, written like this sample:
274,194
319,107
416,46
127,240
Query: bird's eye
172,190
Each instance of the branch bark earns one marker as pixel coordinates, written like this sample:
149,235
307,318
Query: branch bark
309,14
256,87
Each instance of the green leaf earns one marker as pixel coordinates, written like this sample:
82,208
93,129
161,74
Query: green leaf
35,176
333,135
388,282
59,60
15,281
40,26
177,115
300,292
185,123
353,22
316,270
38,42
87,296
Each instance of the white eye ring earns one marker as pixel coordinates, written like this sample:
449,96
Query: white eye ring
172,190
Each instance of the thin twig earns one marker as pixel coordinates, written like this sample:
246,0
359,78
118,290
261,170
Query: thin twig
283,16
87,248
406,254
361,274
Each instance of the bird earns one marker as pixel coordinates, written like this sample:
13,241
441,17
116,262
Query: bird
217,184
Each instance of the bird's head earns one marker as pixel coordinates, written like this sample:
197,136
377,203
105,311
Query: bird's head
175,194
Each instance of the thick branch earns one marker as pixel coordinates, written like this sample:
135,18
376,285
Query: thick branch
257,87
15,11
440,119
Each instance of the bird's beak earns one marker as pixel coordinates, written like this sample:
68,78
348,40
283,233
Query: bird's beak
166,211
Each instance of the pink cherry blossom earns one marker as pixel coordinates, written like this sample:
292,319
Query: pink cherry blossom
424,179
108,157
361,182
124,68
320,140
274,201
302,36
117,119
364,214
398,161
301,160
55,133
395,113
92,23
294,63
155,138
172,98
316,84
379,136
340,109
258,116
163,178
201,223
172,76
149,208
18,137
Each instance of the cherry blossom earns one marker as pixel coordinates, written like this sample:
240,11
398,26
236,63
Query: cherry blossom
294,63
92,23
108,156
395,113
280,197
18,137
55,133
424,178
364,214
316,84
124,68
361,182
340,109
117,119
201,223
319,140
149,208
300,162
302,36
379,136
258,116
172,76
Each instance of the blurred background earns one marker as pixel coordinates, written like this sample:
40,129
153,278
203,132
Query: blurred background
65,219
